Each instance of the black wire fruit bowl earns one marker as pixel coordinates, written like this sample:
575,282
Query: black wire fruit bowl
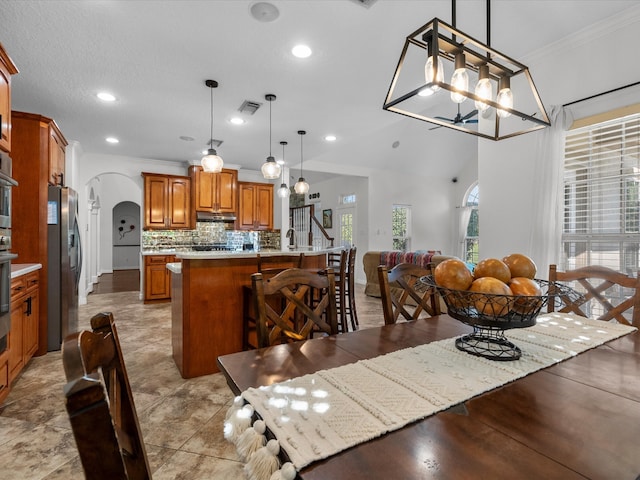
491,314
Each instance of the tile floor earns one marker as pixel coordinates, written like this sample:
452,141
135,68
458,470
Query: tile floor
181,419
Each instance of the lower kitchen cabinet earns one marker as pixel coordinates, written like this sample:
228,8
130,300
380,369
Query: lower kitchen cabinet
157,279
23,336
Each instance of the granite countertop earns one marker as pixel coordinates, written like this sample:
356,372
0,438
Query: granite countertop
19,269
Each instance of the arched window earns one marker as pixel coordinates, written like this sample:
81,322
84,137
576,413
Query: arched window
472,227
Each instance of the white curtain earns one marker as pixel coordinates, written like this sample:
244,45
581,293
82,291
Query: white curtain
547,214
464,213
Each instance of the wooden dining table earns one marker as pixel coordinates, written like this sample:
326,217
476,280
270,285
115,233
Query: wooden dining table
577,419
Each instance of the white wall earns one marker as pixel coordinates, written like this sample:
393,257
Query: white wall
588,63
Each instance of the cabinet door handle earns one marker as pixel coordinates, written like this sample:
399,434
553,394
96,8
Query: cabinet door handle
28,302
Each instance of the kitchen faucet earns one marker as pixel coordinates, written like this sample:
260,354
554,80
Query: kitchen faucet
293,241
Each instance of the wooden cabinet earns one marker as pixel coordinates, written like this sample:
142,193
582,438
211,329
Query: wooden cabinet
255,206
167,202
214,192
57,146
23,336
157,279
7,68
4,376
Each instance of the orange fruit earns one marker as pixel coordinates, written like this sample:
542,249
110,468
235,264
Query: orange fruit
453,274
530,292
488,304
492,267
520,265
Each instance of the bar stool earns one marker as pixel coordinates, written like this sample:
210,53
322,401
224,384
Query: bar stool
338,261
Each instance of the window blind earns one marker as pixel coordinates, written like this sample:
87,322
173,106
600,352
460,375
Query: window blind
602,196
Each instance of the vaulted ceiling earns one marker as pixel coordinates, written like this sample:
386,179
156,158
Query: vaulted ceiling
154,56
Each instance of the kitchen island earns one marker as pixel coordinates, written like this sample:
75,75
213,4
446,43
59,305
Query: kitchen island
207,302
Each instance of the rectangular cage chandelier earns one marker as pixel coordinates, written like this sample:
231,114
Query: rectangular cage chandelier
450,79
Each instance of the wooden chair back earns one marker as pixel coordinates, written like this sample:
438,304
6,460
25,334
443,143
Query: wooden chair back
351,287
396,300
100,404
598,282
338,261
309,305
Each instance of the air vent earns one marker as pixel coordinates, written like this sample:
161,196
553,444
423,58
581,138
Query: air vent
365,3
249,107
215,143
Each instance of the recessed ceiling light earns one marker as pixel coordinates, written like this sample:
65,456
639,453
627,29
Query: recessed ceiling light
186,138
106,97
237,120
112,140
330,138
301,51
264,12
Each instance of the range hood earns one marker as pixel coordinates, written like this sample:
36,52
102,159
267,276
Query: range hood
215,217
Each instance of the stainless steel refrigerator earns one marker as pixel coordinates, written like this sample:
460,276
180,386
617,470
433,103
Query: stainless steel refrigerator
64,264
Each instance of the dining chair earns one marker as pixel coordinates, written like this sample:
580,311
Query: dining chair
338,261
100,404
351,288
309,305
607,294
400,286
268,266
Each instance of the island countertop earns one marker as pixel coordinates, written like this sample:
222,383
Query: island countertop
214,254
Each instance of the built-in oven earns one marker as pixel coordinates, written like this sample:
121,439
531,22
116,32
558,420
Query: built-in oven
6,183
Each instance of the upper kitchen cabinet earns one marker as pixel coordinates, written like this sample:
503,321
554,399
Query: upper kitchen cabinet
57,147
256,206
167,202
214,192
7,68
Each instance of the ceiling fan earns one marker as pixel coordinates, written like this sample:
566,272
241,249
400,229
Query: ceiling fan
459,119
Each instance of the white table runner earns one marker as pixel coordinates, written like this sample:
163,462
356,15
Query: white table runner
318,415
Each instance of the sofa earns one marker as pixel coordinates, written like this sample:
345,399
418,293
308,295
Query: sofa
372,259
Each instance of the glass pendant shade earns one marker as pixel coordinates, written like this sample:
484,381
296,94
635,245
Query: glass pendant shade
283,191
460,79
483,88
430,75
270,169
505,97
212,162
301,186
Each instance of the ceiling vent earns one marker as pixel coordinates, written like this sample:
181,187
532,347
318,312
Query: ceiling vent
365,3
214,143
249,107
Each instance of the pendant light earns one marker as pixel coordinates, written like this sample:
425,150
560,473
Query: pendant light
483,88
283,191
270,169
212,162
432,73
505,97
301,185
460,79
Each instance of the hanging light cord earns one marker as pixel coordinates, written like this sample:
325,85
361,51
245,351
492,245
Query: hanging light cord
270,102
211,142
283,144
301,156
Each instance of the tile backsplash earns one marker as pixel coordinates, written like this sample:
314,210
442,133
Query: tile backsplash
210,233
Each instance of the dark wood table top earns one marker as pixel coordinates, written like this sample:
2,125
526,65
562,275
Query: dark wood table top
577,419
